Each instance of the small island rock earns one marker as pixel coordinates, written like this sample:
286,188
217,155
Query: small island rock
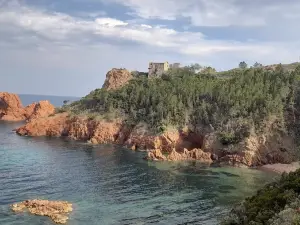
56,210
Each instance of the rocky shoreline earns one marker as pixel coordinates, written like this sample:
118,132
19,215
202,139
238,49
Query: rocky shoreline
171,145
188,143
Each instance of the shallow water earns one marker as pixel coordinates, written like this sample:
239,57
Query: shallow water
109,185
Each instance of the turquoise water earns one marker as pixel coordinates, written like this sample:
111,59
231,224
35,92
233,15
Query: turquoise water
109,185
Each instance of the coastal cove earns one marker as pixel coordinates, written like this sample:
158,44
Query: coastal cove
113,185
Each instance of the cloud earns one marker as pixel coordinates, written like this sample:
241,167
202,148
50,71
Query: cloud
62,28
214,12
110,22
66,46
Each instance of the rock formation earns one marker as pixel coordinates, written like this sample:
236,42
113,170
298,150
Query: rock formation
195,154
42,109
56,210
172,145
116,78
54,126
11,108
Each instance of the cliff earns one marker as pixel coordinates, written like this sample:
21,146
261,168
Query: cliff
116,78
171,145
11,108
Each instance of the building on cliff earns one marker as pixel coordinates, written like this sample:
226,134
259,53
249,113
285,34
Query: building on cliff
157,69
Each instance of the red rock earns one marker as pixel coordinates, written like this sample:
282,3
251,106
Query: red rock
46,126
41,109
195,154
11,108
116,78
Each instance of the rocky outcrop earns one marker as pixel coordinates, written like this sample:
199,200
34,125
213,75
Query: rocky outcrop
56,210
41,109
195,154
255,150
77,128
55,126
116,78
11,108
172,145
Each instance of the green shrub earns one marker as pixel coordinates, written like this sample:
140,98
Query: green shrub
270,205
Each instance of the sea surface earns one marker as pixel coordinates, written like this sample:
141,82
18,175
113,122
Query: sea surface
110,185
55,100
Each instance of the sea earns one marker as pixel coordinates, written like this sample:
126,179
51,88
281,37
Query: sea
111,185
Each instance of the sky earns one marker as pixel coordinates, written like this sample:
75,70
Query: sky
66,47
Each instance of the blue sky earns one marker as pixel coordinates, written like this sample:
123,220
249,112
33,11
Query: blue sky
56,47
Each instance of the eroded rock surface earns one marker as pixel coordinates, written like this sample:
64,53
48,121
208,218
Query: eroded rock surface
56,210
41,109
11,108
116,78
195,154
172,145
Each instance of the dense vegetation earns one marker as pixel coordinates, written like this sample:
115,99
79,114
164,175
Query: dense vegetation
277,203
232,102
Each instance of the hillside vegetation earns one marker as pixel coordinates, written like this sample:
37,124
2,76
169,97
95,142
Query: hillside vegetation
233,106
278,203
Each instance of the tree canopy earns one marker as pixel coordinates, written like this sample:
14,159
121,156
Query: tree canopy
182,97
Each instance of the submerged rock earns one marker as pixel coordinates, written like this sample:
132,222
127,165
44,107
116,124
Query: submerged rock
56,210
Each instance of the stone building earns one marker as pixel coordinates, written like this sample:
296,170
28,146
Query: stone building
157,69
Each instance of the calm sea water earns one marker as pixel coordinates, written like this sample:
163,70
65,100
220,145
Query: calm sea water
109,185
55,100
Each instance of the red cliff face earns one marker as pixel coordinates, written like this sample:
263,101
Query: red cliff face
172,145
116,78
11,108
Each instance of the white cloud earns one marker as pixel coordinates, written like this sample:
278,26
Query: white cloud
213,12
24,28
63,28
110,22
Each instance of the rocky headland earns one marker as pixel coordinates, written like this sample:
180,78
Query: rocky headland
194,141
11,108
172,145
56,210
